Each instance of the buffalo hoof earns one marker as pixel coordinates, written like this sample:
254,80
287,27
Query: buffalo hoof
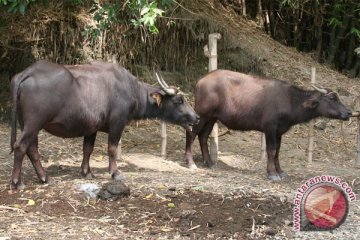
17,186
46,180
193,166
88,175
210,165
118,177
274,178
283,175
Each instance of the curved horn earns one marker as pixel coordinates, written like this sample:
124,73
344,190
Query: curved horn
322,90
163,81
159,81
164,86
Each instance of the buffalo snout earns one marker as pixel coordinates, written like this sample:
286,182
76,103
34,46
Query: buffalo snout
346,115
194,120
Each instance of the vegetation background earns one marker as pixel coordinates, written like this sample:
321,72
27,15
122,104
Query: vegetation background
169,35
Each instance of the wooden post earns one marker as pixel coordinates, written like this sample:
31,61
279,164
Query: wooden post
263,147
211,53
163,139
357,108
243,3
312,122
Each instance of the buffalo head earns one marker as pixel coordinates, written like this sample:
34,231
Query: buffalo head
173,107
326,103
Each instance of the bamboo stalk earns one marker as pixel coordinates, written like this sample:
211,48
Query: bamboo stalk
163,139
263,147
312,122
357,108
212,54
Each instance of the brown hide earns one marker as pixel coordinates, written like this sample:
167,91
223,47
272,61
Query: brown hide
244,102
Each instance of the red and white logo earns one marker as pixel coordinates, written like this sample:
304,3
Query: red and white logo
326,206
322,203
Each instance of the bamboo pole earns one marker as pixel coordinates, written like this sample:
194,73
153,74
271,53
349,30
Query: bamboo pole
163,139
312,123
211,53
263,147
357,108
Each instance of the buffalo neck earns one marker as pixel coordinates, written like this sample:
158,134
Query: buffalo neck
147,109
300,113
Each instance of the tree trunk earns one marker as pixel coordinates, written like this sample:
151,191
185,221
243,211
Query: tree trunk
350,50
272,22
267,21
355,70
319,43
259,13
297,28
335,39
318,22
290,30
243,2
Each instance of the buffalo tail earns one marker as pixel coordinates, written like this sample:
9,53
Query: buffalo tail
17,80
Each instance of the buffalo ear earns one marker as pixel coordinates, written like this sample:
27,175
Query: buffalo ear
311,103
157,97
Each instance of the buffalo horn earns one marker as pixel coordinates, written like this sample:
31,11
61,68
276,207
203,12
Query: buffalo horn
177,91
163,81
164,86
322,90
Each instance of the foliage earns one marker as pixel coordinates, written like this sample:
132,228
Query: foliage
143,13
148,12
104,16
16,5
330,29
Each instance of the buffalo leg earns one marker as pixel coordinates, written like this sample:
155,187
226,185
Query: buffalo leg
20,148
271,146
190,137
34,156
276,160
203,137
88,148
113,142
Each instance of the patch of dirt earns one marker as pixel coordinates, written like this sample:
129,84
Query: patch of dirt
176,212
167,200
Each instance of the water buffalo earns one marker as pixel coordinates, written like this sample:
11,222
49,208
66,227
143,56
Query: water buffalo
78,100
244,102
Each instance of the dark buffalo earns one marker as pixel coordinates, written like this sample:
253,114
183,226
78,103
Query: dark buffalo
74,101
243,102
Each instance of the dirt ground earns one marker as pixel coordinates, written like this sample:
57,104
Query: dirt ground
167,200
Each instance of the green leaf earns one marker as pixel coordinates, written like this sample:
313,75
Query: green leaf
144,11
158,11
335,22
355,32
13,6
171,205
153,29
22,8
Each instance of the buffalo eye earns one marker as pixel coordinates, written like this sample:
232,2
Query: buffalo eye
179,100
333,96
